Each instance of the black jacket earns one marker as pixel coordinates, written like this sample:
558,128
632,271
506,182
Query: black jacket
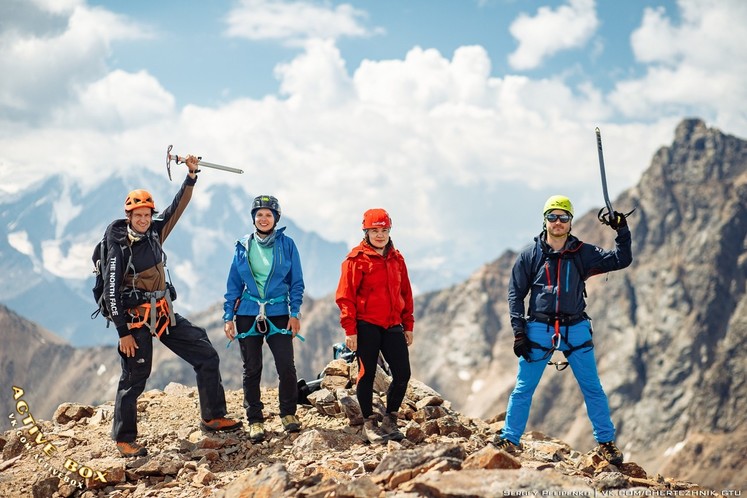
148,258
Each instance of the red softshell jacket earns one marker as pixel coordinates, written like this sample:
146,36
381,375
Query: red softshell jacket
375,289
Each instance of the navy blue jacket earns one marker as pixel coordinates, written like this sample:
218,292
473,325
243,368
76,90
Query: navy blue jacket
555,280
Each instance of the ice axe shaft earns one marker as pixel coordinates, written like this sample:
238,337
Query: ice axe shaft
179,159
604,176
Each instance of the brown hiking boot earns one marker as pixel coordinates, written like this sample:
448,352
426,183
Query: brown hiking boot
611,452
372,431
127,449
390,428
221,424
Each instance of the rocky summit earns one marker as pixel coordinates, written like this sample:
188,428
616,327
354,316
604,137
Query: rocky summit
444,454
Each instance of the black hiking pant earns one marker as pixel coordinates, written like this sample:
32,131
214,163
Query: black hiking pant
373,339
281,346
190,343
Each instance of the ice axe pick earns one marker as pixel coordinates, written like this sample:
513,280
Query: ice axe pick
200,162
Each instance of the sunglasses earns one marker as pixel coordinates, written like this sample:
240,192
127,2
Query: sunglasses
552,217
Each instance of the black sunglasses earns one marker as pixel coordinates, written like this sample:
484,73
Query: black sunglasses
552,217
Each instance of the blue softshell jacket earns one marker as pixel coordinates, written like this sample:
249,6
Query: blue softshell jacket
555,280
285,280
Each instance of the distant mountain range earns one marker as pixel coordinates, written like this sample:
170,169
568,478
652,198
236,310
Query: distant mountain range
47,235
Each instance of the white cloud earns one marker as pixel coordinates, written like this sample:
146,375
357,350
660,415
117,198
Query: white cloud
551,31
696,67
317,77
295,22
118,101
48,67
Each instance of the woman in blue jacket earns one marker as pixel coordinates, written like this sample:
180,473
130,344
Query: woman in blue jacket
263,299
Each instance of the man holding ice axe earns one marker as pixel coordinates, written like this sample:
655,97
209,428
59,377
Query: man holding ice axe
552,271
138,300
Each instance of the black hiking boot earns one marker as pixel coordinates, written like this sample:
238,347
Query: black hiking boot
611,453
504,444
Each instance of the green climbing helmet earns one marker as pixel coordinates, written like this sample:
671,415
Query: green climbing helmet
558,202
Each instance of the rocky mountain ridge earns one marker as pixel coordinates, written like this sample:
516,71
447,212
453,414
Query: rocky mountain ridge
444,454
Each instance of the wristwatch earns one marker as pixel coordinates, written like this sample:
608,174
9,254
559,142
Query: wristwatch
296,315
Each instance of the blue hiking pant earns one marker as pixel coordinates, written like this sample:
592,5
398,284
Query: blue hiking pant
584,368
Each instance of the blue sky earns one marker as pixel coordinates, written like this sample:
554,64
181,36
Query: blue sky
195,34
459,116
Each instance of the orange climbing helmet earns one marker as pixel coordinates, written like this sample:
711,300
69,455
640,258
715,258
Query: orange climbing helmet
139,198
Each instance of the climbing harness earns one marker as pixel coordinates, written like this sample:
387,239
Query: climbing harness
557,321
157,306
262,326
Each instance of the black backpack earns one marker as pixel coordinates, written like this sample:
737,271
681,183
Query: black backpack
99,255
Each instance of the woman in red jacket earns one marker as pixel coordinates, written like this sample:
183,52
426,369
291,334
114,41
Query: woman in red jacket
376,311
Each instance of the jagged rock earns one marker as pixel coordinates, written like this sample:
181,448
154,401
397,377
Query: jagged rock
491,458
45,487
523,482
337,368
431,400
13,446
113,470
67,412
265,483
351,408
448,425
335,382
203,476
421,456
429,413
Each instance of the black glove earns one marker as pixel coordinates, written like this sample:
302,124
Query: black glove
618,220
521,345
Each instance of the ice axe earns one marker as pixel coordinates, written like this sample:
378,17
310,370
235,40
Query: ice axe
609,215
200,162
603,217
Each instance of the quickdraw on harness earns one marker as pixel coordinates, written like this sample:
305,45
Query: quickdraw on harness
262,326
155,309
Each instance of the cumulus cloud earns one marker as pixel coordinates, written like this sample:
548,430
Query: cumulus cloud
48,67
294,23
551,31
118,101
689,63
